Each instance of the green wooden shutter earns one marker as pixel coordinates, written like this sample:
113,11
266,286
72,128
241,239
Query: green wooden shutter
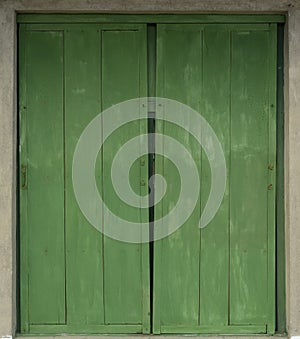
74,279
220,279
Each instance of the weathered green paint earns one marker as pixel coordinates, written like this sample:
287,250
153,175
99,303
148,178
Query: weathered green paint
244,329
124,76
149,18
81,328
220,279
179,73
78,278
214,245
223,274
84,254
272,175
280,234
44,97
249,177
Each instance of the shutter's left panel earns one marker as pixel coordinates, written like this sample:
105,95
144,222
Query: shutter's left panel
42,226
73,279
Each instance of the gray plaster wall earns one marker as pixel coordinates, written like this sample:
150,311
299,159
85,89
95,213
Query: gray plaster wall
8,113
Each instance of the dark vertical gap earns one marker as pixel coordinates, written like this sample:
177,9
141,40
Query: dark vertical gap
229,177
151,63
280,238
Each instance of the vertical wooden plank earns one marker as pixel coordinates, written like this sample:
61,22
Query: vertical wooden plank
249,177
272,57
280,228
45,115
176,271
215,109
123,78
84,242
24,288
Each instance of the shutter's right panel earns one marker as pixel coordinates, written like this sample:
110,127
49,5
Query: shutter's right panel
227,269
250,109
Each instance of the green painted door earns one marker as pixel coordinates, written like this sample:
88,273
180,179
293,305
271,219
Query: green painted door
220,279
217,279
73,278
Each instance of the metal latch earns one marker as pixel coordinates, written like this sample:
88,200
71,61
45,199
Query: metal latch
23,176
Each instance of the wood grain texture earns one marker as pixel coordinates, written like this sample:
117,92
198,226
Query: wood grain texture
84,269
179,74
272,191
45,166
249,177
123,78
220,279
280,191
88,281
229,278
214,248
149,18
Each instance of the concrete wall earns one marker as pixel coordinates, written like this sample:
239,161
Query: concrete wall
8,113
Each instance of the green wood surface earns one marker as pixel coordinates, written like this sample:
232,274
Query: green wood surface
123,77
79,329
208,330
149,18
45,177
272,180
249,177
216,280
76,277
177,264
84,266
280,232
214,246
222,274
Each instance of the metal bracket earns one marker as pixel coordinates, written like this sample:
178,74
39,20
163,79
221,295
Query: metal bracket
23,176
151,108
